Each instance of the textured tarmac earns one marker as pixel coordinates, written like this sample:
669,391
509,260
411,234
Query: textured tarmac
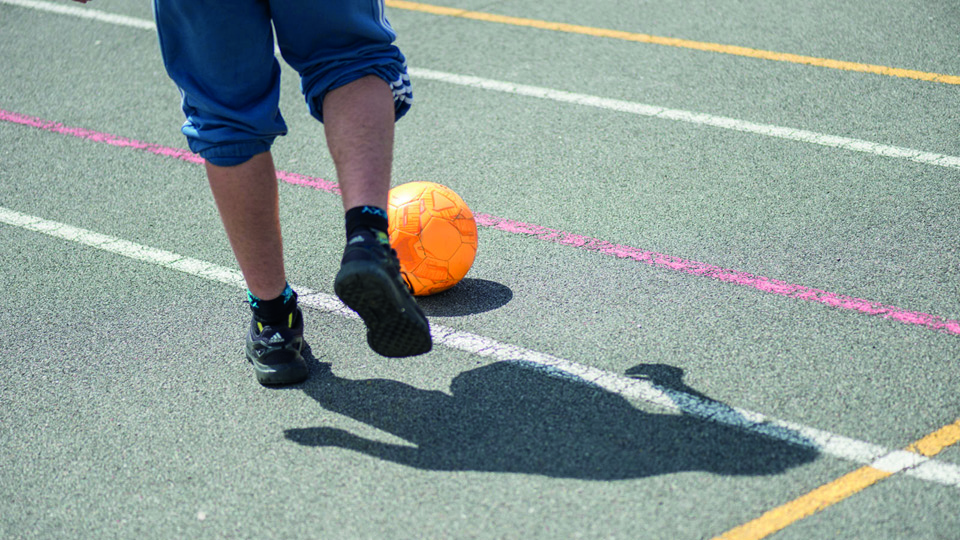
127,409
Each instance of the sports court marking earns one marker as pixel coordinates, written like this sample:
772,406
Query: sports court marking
673,401
675,42
678,115
883,463
651,258
639,109
734,50
844,487
84,13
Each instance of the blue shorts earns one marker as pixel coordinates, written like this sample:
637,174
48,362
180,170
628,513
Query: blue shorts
221,56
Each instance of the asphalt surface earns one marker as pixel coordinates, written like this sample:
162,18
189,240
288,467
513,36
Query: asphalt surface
127,409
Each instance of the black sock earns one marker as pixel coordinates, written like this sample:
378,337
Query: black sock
372,218
278,311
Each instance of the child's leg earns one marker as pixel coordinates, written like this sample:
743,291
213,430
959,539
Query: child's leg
222,59
247,198
358,124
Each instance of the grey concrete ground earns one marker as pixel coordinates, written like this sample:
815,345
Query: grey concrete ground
127,410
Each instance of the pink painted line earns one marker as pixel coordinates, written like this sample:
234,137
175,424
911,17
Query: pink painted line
166,151
309,181
760,283
96,136
652,258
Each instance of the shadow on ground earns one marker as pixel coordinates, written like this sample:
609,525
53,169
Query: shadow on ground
469,297
523,418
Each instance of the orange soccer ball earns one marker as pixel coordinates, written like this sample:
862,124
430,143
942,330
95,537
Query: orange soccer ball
434,234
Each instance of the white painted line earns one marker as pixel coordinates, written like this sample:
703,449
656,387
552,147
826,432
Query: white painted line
899,460
639,109
937,471
83,12
670,400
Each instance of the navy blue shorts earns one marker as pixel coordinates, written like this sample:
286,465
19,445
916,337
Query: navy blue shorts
221,56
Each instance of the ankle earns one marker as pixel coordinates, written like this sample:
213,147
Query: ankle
372,218
274,311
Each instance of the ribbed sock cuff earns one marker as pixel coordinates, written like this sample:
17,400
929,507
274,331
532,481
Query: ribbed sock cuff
368,217
274,311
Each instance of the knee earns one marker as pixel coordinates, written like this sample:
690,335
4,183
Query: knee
391,67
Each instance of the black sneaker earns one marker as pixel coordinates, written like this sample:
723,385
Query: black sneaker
369,282
274,351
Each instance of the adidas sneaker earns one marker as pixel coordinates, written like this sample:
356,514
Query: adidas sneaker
369,282
274,351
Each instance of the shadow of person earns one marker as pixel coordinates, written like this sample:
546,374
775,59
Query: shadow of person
524,418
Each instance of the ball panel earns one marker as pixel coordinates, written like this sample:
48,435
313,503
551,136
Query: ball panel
431,276
460,262
432,270
441,203
440,239
409,249
420,287
467,229
407,219
407,193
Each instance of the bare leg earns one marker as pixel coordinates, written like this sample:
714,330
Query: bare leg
248,200
358,122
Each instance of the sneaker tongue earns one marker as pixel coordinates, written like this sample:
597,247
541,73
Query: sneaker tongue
285,320
370,246
362,235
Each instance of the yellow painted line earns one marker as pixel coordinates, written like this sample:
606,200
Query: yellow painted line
933,443
838,490
676,42
807,505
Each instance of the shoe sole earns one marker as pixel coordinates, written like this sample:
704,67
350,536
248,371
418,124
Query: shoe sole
289,373
395,325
